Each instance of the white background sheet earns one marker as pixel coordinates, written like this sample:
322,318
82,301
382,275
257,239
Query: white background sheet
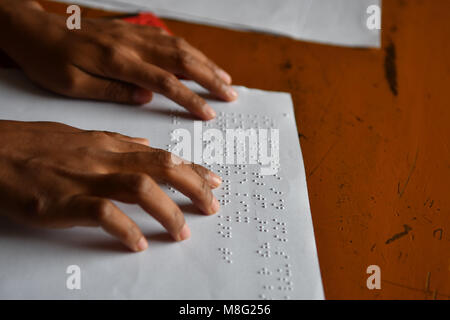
33,262
340,22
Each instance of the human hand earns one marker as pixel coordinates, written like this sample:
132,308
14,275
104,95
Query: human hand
108,60
57,176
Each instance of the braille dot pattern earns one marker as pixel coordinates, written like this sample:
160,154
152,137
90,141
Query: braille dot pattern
245,187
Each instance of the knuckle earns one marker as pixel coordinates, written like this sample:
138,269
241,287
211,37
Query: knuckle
168,83
116,54
89,158
86,153
161,31
131,233
119,23
144,141
177,219
197,100
166,159
97,135
141,184
119,29
154,30
168,164
218,83
70,84
107,49
103,209
35,163
201,171
179,43
184,59
205,190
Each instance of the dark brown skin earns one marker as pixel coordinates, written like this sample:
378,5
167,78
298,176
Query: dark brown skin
57,176
107,60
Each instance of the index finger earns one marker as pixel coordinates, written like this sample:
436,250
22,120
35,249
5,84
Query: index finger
156,79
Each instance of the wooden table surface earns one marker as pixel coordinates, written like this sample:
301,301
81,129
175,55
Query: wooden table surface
374,127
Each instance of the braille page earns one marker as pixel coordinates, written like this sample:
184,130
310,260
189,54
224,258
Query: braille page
259,246
340,22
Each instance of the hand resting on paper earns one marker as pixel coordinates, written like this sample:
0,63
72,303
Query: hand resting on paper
57,176
108,60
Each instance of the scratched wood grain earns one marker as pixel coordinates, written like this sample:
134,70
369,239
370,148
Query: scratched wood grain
374,127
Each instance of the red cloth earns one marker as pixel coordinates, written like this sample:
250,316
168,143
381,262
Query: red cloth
148,19
145,18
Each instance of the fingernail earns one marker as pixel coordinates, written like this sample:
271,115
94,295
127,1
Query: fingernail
215,205
142,96
215,179
210,113
224,76
231,93
185,233
142,244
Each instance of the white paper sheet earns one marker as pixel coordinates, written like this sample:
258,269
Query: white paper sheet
340,22
263,265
